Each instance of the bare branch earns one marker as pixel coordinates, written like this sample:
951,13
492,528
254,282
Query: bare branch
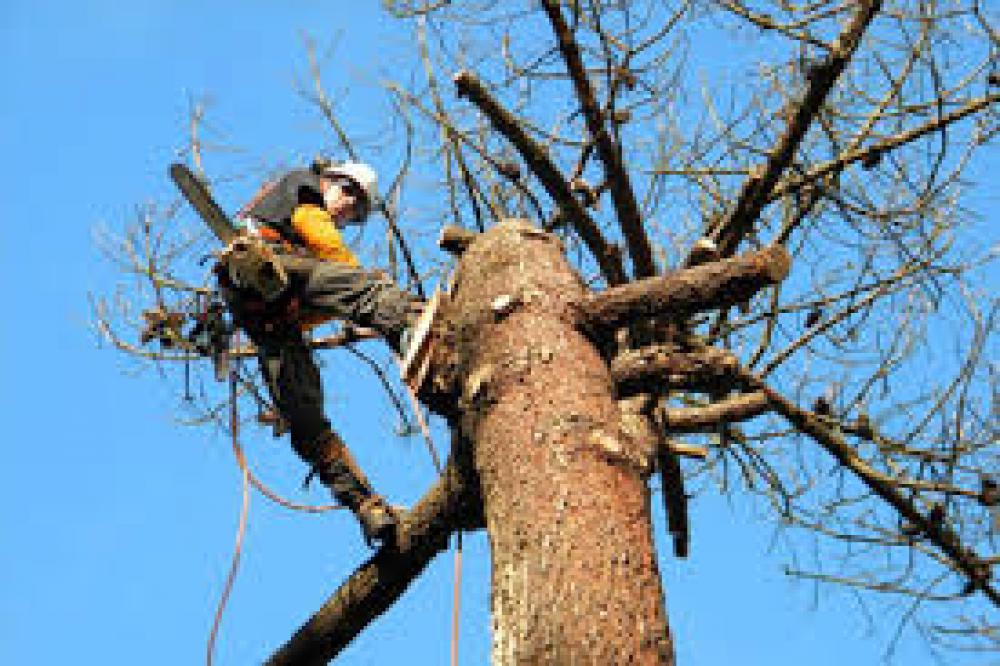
551,178
756,189
964,559
610,153
728,410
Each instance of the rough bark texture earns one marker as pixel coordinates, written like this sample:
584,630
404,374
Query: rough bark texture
658,367
687,291
575,578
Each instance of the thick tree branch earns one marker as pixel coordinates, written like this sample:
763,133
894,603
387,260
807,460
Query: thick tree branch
610,153
663,367
757,188
964,559
451,504
538,160
687,291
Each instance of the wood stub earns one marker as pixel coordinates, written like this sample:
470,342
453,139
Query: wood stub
455,240
663,367
687,291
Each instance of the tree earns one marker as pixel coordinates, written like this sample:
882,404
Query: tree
743,292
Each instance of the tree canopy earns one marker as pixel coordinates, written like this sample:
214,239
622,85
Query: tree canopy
853,401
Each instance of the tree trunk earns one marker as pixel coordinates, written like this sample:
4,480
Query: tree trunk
566,503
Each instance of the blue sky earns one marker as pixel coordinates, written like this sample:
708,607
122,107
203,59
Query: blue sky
116,522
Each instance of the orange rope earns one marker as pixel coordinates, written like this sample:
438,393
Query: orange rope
281,501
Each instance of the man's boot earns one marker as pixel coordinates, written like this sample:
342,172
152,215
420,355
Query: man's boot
341,474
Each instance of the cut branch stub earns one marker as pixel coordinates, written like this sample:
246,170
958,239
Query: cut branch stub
667,367
687,291
455,240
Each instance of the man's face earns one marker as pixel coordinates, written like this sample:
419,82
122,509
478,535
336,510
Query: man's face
343,198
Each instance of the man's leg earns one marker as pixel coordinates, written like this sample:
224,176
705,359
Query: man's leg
295,385
365,298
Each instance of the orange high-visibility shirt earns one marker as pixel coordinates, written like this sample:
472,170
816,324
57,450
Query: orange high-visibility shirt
320,235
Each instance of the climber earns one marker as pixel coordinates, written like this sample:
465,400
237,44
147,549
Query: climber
299,217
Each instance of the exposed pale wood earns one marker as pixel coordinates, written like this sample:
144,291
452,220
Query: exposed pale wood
455,240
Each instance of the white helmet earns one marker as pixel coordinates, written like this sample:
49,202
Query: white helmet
364,176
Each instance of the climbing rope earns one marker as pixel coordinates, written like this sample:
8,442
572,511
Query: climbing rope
234,425
248,480
425,431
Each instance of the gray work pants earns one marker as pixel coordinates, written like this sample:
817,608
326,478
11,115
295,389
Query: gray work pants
318,287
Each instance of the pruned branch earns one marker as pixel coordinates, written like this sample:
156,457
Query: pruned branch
663,367
538,160
455,240
687,291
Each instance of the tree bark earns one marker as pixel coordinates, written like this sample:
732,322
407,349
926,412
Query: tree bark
575,578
